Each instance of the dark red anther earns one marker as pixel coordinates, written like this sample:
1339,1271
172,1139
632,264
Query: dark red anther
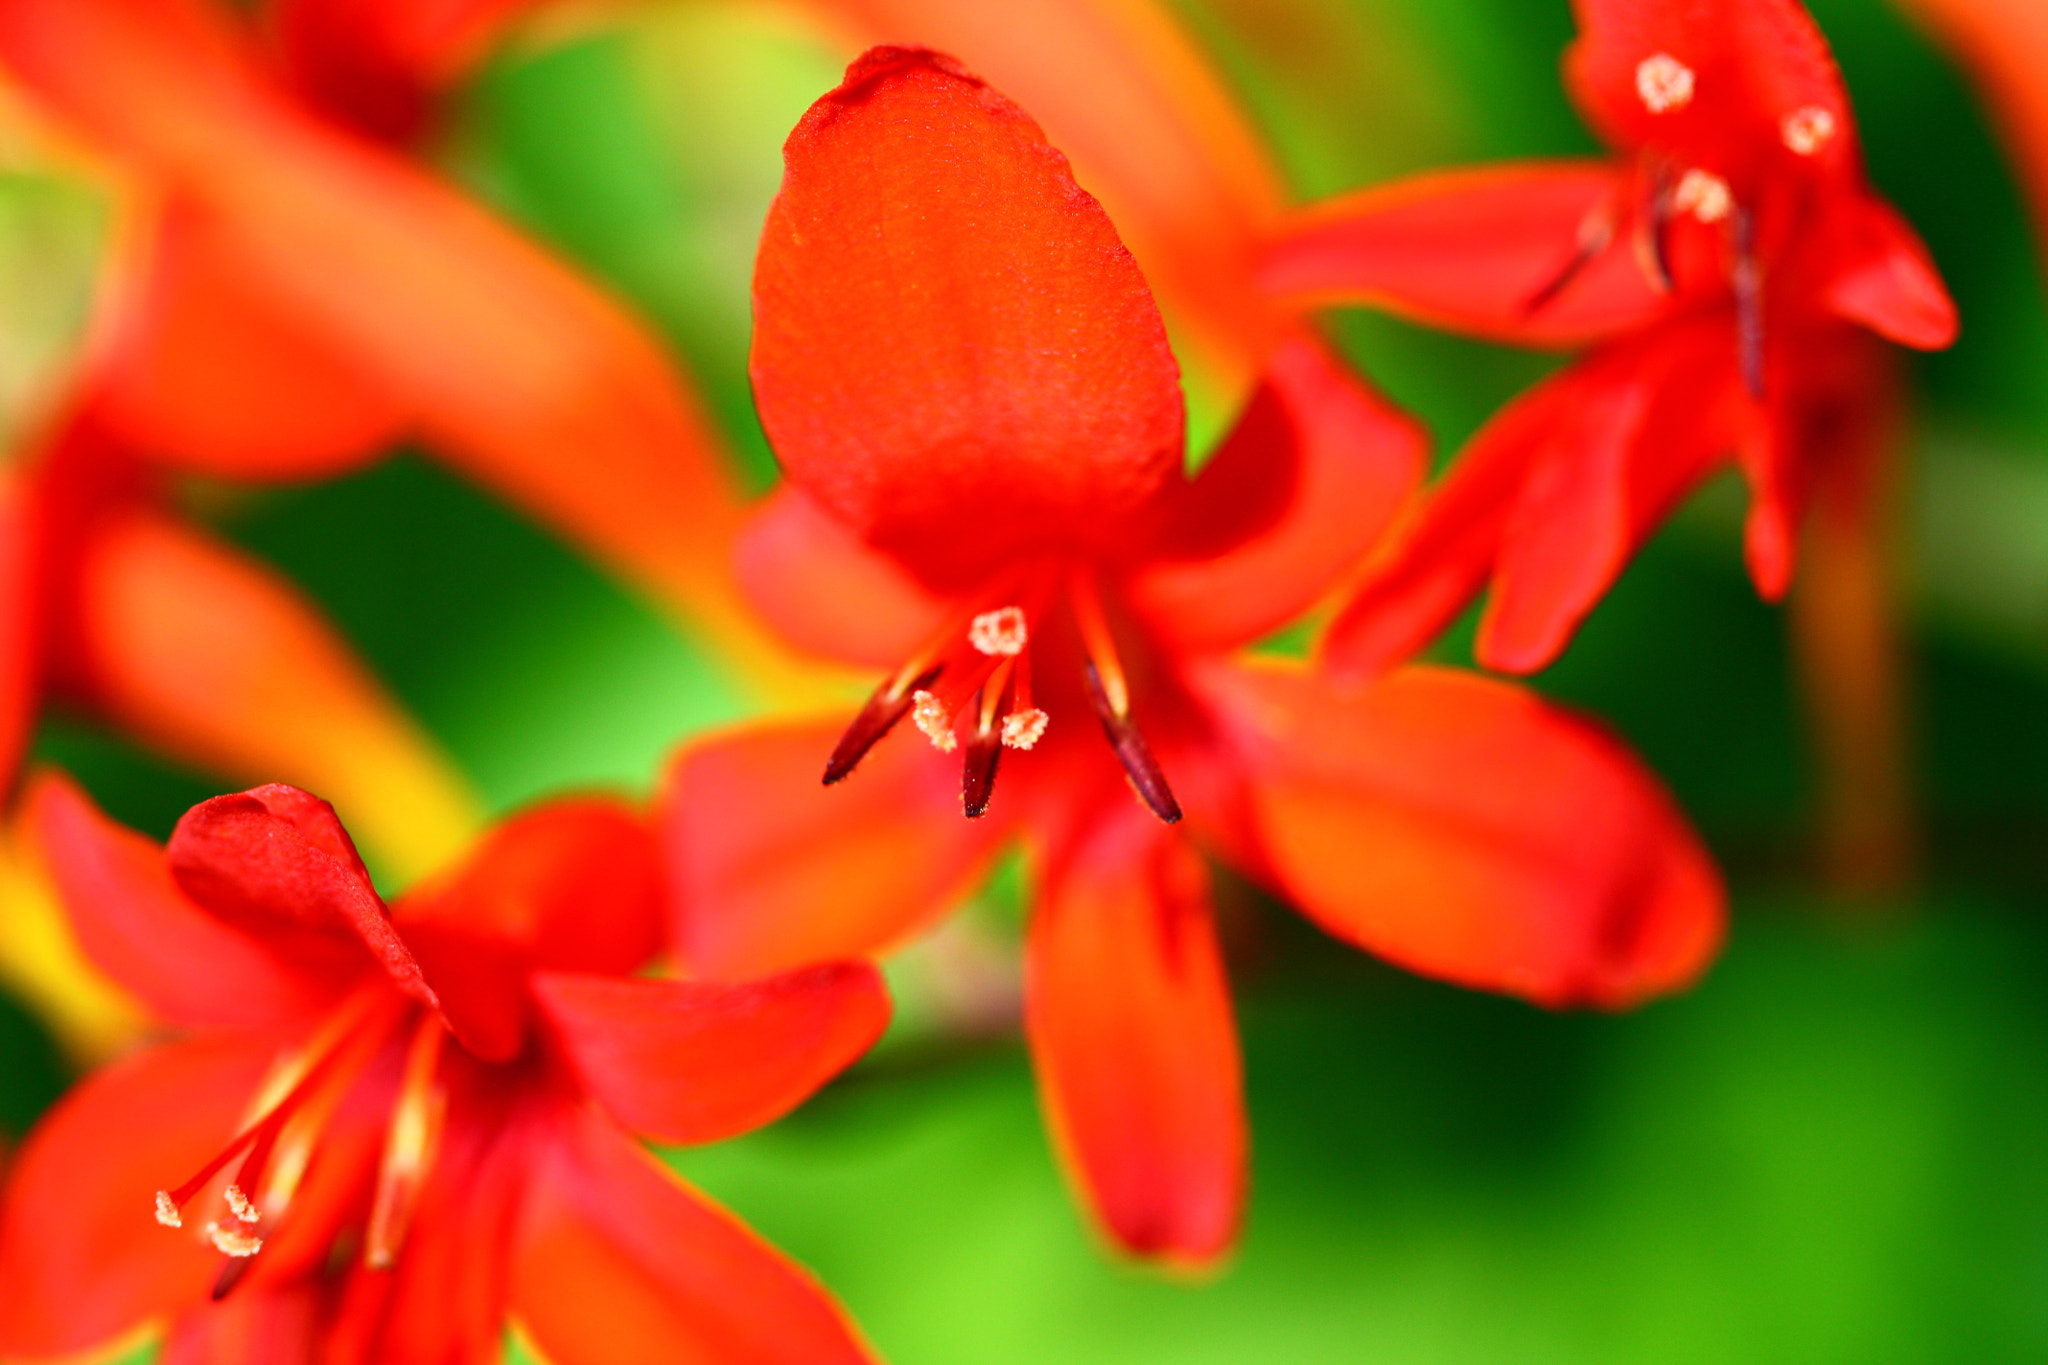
890,703
1134,753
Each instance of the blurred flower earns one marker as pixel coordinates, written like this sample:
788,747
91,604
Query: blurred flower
396,1128
1729,265
968,385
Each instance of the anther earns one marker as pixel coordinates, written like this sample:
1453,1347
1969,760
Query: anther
233,1241
167,1210
1022,729
1664,83
999,632
1132,751
239,1203
1704,195
978,771
889,704
1596,231
1806,130
929,714
1748,284
1653,242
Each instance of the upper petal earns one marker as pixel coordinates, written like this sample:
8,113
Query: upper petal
772,870
1467,830
952,350
1474,250
1311,475
1128,1012
691,1061
617,1262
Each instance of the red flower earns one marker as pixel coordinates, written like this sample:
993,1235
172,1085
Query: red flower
395,1129
1730,266
964,376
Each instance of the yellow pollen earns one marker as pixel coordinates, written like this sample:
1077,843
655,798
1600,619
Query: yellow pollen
1664,82
1022,729
1806,130
233,1241
999,632
1704,195
239,1202
929,714
166,1211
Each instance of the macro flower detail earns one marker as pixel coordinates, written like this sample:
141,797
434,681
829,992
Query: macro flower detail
382,1134
1730,266
962,373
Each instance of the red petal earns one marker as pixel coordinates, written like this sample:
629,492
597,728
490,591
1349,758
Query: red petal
20,618
1312,474
616,1262
574,885
1472,250
952,351
134,923
377,63
685,1061
826,591
253,1326
275,862
218,375
1886,281
81,1256
1565,874
213,658
771,870
1130,1024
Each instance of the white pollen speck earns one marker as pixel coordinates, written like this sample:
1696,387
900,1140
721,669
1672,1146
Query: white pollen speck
1704,195
1807,130
233,1241
1022,729
166,1211
1664,82
999,632
239,1202
929,714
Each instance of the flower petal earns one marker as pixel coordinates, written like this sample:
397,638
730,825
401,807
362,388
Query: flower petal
1316,468
826,591
81,1256
617,1262
1885,279
253,1326
213,658
135,924
772,870
952,350
1128,1012
573,884
376,64
690,1061
275,862
1475,250
1566,875
21,588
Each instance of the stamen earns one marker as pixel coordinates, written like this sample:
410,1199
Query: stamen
167,1210
1806,130
1664,83
1023,729
233,1241
999,632
1132,751
1749,305
1704,195
1653,241
240,1205
408,1146
930,715
978,771
889,704
1596,231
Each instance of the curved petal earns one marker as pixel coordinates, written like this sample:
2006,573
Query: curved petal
772,870
213,658
253,1326
1885,279
952,350
1476,250
135,924
276,863
81,1256
1128,1013
617,1262
573,884
823,589
1565,875
1316,468
689,1062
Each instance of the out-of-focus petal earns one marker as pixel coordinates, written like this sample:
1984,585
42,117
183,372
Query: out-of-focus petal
574,885
771,870
1475,250
826,591
376,64
690,1061
952,351
1129,1018
81,1256
1315,469
1467,830
134,923
21,592
213,658
253,1326
1885,279
617,1262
